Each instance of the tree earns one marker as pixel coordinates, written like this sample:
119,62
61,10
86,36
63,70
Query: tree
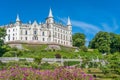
78,39
101,41
106,42
115,43
2,37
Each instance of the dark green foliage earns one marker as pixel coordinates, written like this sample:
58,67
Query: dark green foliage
48,66
13,52
84,48
2,36
106,42
78,39
115,43
37,59
57,55
114,63
71,63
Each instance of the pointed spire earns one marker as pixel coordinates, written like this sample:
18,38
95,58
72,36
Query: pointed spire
17,19
50,13
69,22
40,23
29,22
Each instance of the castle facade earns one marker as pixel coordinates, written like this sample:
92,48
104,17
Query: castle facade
48,32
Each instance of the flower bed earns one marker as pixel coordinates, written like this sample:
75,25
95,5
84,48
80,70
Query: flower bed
61,73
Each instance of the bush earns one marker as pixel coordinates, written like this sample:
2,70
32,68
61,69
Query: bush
84,48
37,60
48,66
57,55
70,63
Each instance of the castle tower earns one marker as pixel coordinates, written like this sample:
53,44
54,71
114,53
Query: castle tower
69,25
18,22
50,19
50,22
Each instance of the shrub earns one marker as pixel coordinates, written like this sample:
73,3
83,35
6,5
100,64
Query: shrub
57,55
47,66
37,60
70,63
84,48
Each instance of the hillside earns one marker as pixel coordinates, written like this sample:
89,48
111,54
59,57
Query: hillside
34,50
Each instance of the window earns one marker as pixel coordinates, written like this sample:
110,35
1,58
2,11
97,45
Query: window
43,39
8,37
55,34
13,29
21,38
35,38
9,31
13,38
43,33
64,37
26,32
25,38
58,35
21,32
35,32
61,36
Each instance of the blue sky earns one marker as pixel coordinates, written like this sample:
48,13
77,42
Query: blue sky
87,16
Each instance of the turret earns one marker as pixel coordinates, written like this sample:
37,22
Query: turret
69,25
50,19
18,22
50,14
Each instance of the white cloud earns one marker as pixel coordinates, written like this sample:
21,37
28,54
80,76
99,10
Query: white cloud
86,27
89,28
114,26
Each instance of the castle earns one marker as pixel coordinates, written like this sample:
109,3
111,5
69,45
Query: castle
48,32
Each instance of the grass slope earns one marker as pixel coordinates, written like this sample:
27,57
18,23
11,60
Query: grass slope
39,50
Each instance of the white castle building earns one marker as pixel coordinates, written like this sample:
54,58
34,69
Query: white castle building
48,32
